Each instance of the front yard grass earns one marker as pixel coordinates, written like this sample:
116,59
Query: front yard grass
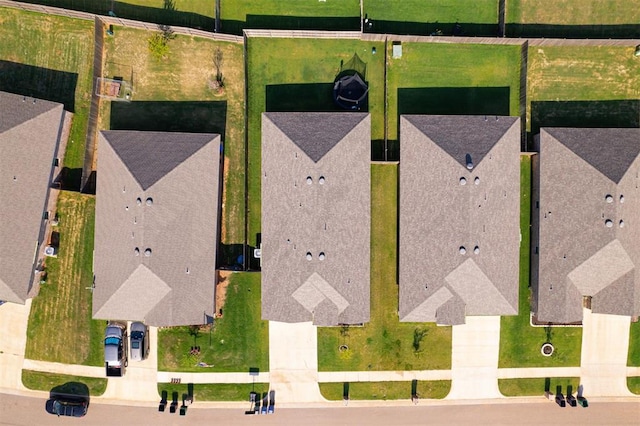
435,78
384,343
537,386
50,57
519,342
633,383
436,389
634,345
237,342
60,326
215,391
176,94
38,380
298,75
574,86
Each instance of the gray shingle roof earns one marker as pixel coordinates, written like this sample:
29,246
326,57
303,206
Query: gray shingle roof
316,201
579,195
29,139
175,216
447,208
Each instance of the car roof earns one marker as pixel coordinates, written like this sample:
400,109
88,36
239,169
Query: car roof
138,326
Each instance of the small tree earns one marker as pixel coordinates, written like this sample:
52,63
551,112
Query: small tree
217,63
159,42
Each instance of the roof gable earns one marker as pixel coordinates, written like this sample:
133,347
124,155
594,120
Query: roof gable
150,156
464,137
315,133
610,151
16,109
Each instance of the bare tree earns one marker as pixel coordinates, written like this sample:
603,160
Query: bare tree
217,62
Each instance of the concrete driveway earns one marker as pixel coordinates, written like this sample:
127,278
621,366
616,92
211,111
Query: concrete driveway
13,341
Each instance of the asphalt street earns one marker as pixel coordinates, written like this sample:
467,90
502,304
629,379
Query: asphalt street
18,410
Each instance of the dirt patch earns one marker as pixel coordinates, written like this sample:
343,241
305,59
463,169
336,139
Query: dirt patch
221,289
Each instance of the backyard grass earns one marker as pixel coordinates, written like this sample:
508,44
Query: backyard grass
634,345
436,389
538,386
595,86
175,94
298,75
62,383
573,12
384,343
215,392
60,326
289,14
237,342
50,57
186,13
633,383
433,78
519,342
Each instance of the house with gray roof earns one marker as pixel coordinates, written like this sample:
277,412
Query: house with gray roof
316,203
459,217
585,223
156,227
30,136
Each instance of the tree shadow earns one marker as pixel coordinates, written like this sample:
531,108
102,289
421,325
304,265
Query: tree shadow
167,116
589,114
624,31
40,83
74,390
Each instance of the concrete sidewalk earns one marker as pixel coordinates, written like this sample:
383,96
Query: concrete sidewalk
474,359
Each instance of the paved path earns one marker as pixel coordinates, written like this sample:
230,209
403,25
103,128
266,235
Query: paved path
605,345
293,361
474,359
13,342
538,372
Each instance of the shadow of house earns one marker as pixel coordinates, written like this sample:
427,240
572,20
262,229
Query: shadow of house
156,15
310,97
432,28
623,31
275,22
37,82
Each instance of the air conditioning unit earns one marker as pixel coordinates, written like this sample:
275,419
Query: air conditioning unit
51,251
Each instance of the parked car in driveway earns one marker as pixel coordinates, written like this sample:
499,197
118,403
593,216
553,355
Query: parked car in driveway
139,341
115,349
67,406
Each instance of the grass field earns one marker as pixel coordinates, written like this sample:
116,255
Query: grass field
384,343
519,342
186,13
289,14
458,79
298,75
215,392
573,12
634,345
60,325
238,341
175,94
568,84
75,385
533,387
385,390
633,383
50,57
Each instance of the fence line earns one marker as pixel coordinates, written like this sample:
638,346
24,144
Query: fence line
524,59
304,34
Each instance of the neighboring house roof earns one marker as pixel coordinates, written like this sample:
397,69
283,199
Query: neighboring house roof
156,191
588,223
316,202
459,217
30,131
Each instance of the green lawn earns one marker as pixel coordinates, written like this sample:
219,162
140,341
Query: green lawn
289,14
573,12
574,86
533,387
60,326
237,342
214,392
186,13
75,385
298,75
175,94
50,57
634,345
474,17
633,383
519,342
386,390
433,78
384,343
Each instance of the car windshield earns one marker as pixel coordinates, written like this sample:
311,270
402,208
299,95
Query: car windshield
137,335
111,341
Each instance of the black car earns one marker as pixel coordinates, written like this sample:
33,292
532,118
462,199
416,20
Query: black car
67,406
